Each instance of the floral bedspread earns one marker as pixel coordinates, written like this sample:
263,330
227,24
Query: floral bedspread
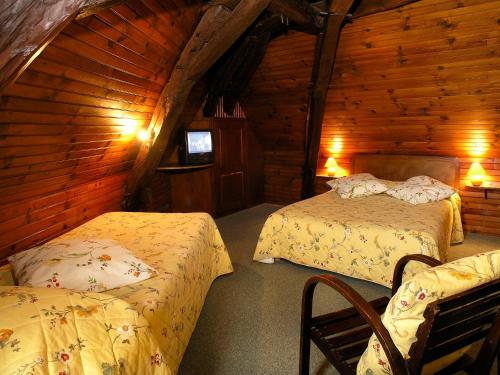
187,251
360,237
47,331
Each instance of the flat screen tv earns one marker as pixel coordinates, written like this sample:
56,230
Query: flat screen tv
196,147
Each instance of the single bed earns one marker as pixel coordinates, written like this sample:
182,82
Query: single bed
188,253
365,237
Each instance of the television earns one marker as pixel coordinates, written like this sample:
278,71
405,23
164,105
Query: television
196,147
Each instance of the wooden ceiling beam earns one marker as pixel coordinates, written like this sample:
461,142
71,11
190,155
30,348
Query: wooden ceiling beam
300,12
95,7
364,8
218,29
326,48
367,7
27,27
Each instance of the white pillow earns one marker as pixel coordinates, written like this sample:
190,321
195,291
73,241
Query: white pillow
358,185
421,189
91,265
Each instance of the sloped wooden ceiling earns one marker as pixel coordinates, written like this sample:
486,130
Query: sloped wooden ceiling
421,79
64,151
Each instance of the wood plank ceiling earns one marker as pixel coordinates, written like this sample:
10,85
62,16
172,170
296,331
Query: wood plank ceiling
422,79
64,154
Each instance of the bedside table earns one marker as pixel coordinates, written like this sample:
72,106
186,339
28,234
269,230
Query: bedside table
485,187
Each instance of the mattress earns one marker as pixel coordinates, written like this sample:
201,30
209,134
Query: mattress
360,237
187,251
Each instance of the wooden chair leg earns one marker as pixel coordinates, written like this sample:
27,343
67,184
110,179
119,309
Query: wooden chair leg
305,329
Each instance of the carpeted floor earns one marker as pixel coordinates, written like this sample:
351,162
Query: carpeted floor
251,319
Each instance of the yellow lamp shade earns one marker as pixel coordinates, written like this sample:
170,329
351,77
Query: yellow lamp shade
476,174
331,166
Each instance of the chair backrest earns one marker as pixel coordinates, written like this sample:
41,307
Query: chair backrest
457,321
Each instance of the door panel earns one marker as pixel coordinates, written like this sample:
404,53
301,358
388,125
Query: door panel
231,164
232,192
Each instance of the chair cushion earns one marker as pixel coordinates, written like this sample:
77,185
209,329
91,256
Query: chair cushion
357,185
404,313
93,265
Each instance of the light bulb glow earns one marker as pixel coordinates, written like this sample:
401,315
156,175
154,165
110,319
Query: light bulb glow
129,126
143,135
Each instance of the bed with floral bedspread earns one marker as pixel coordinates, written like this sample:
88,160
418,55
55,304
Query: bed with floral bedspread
359,237
139,328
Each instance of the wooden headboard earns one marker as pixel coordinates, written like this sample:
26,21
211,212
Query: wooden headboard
401,167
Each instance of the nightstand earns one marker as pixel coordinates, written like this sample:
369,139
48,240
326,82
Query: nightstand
485,187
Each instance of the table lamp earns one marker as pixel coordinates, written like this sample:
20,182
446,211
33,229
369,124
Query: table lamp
476,174
331,166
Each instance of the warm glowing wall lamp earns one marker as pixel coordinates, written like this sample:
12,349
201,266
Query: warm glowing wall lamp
476,174
146,137
331,166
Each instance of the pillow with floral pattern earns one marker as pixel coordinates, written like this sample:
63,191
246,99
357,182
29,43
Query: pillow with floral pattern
93,265
405,310
421,189
357,185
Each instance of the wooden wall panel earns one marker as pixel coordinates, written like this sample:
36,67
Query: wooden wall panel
423,80
419,80
64,152
276,107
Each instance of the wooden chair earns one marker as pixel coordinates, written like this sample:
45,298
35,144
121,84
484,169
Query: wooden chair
450,324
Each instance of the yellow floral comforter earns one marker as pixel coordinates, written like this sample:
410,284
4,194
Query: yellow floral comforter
187,251
359,237
47,331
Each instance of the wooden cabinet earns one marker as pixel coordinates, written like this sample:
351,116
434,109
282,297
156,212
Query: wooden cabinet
233,183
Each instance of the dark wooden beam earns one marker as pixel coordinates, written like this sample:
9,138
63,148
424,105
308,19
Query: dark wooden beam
367,7
326,48
218,29
28,26
96,7
298,12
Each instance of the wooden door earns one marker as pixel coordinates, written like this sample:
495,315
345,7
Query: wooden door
230,160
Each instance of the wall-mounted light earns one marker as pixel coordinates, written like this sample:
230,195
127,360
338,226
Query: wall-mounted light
146,137
129,126
331,166
476,174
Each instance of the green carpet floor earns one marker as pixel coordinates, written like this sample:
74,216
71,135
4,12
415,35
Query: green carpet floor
251,319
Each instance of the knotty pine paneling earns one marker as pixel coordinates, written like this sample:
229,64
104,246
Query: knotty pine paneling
419,80
276,107
64,156
422,80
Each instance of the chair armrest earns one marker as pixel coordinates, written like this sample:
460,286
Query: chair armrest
365,310
401,264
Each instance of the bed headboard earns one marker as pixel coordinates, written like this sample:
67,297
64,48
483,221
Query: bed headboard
401,167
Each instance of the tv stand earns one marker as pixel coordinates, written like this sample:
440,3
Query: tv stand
181,167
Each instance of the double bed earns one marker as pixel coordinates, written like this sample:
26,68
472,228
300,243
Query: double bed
185,249
365,237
